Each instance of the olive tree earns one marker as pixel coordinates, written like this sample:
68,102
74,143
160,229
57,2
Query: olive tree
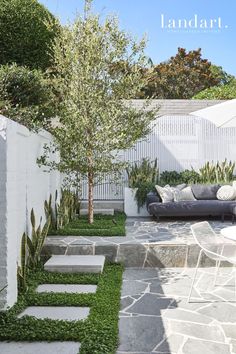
97,70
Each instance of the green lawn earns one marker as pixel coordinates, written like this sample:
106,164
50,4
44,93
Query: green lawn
98,334
104,225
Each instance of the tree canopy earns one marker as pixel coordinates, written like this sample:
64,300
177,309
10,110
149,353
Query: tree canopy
181,77
223,92
25,37
95,119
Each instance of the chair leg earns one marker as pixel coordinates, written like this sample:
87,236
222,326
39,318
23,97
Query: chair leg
217,271
195,274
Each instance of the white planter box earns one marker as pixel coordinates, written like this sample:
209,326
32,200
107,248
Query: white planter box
131,208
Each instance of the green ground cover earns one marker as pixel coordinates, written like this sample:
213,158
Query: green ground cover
104,225
98,334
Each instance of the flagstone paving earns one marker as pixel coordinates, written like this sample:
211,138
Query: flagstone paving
148,243
155,316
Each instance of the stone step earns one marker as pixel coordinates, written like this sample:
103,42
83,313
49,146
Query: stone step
65,313
75,264
39,347
67,288
98,211
105,204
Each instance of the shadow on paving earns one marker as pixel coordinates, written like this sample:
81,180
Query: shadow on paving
141,326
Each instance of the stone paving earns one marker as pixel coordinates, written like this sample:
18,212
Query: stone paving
155,316
148,243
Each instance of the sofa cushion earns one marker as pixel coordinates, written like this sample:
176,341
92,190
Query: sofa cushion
194,208
185,194
205,191
152,197
226,193
166,193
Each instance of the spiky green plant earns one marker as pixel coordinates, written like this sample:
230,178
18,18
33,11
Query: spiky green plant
217,173
142,176
36,242
22,270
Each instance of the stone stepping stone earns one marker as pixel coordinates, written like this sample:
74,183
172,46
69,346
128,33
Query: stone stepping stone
39,347
67,288
75,264
66,313
98,211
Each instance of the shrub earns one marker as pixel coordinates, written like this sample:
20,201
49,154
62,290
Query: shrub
24,94
225,92
25,37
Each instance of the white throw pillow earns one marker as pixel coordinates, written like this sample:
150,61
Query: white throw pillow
185,194
166,193
226,193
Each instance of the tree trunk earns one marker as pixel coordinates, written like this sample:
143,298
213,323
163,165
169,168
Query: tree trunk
90,197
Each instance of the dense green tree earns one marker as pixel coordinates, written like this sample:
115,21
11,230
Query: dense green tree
221,75
182,76
25,95
95,120
25,36
223,92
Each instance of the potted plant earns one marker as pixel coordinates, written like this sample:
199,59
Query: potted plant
142,178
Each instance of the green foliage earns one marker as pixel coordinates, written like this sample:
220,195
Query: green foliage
24,95
181,77
36,242
142,176
174,177
31,249
144,172
103,225
22,270
25,36
217,173
223,92
97,334
222,76
95,120
63,212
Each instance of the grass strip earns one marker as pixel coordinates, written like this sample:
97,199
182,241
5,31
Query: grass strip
103,225
98,334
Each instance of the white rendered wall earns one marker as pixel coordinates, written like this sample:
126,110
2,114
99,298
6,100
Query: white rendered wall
23,186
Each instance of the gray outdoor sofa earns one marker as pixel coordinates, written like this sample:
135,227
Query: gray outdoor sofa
206,204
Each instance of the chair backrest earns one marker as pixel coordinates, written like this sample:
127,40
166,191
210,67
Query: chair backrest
206,238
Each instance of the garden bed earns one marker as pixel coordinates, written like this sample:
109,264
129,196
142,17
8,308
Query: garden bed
104,225
97,334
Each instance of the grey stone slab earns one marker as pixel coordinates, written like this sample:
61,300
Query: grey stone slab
125,302
101,211
67,288
150,304
139,274
182,315
140,334
194,346
131,255
108,250
75,264
171,344
49,249
230,330
207,332
80,250
133,287
66,313
166,256
39,347
223,312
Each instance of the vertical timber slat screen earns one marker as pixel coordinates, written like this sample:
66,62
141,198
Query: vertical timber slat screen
178,142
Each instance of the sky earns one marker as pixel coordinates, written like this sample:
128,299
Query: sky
169,24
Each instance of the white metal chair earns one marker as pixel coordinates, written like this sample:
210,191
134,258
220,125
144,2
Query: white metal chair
214,246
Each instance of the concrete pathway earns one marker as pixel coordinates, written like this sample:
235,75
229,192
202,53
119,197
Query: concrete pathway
155,316
39,348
